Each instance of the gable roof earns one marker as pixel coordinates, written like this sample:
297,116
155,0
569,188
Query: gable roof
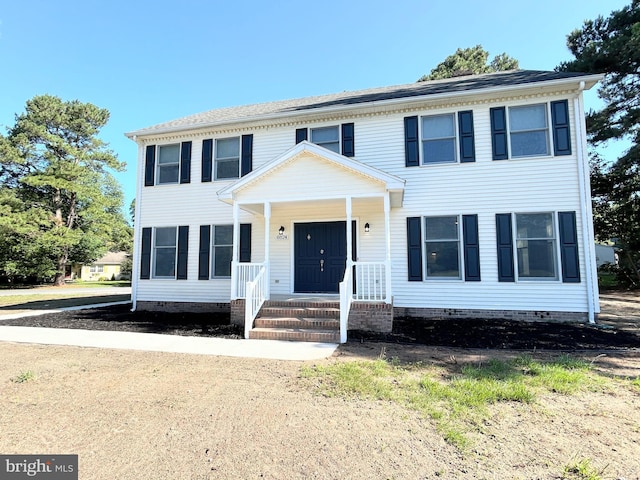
392,183
299,106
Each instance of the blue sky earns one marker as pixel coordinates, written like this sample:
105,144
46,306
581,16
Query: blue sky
149,62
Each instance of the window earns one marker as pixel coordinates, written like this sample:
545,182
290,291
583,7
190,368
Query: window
442,240
438,139
168,169
96,269
529,131
164,252
536,245
327,137
221,251
227,158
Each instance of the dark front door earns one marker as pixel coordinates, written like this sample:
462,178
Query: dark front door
320,250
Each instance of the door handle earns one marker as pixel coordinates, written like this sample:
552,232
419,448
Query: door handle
322,265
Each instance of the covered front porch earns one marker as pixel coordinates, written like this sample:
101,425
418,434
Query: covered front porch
327,238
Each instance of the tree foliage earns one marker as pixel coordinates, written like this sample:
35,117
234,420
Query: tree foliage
467,61
59,202
611,46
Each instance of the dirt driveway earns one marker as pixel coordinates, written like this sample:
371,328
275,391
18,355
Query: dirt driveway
140,415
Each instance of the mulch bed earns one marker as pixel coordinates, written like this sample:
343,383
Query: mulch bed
473,333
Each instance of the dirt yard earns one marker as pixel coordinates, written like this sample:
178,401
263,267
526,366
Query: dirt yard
138,415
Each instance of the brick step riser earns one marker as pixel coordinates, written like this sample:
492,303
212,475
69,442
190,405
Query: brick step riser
322,324
320,337
301,304
299,312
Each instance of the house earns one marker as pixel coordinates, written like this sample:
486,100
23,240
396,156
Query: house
453,198
107,267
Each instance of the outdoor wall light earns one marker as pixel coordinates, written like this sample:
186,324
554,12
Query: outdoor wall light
366,227
281,231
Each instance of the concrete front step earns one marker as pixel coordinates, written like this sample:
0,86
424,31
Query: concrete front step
296,334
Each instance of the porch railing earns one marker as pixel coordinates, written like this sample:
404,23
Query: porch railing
372,284
255,295
245,272
346,297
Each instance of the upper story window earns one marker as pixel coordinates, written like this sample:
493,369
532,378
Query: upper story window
337,138
168,168
167,164
441,138
227,158
327,137
530,130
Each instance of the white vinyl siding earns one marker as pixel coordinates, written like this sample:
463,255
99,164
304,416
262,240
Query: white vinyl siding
306,189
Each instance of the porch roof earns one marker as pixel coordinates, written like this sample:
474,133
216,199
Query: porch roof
359,171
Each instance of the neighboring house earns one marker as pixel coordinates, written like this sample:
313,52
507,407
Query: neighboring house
465,197
107,267
606,255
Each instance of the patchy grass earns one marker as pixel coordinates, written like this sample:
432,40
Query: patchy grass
23,377
458,402
581,470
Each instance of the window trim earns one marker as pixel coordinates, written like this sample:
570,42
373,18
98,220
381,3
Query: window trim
458,240
212,249
556,248
456,139
548,129
158,166
154,249
326,127
226,159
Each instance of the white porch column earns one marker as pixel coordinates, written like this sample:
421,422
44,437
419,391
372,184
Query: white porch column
349,231
235,249
387,234
267,247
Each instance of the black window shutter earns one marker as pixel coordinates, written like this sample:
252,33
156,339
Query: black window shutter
504,236
471,248
467,142
561,130
348,141
185,162
246,163
204,252
145,256
411,142
183,252
301,135
499,133
414,248
149,166
245,243
207,160
569,247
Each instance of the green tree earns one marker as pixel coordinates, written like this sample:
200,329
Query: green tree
473,60
59,201
611,46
